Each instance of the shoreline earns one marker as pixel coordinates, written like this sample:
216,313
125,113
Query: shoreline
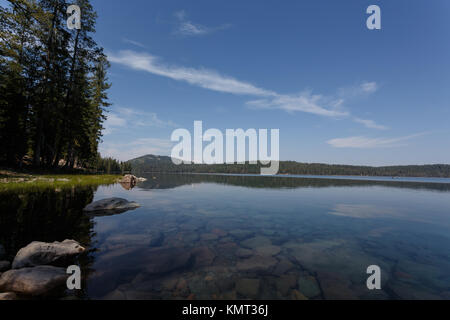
10,180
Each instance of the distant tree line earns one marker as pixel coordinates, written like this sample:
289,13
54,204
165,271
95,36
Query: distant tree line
164,164
110,165
53,85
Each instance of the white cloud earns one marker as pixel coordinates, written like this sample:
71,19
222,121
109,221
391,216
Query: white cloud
212,80
370,143
123,117
113,121
361,89
144,119
304,102
204,78
370,124
135,43
188,28
369,87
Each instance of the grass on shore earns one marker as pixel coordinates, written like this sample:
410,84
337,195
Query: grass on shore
13,181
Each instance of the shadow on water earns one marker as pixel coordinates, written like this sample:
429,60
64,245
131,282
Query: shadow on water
47,215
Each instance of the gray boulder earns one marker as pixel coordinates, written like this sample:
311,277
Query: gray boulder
42,253
5,265
110,206
129,179
35,281
8,296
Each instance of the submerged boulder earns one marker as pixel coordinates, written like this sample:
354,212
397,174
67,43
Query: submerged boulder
110,206
34,281
42,253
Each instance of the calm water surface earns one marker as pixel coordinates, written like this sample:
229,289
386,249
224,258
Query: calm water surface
245,237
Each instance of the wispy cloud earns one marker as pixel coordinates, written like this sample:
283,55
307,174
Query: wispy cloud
186,27
135,43
113,121
369,87
212,80
370,124
304,102
126,117
204,78
361,89
370,143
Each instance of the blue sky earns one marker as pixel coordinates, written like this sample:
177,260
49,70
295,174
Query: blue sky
338,92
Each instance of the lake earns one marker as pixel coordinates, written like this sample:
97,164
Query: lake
247,237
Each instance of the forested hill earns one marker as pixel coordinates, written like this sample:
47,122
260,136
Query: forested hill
53,85
152,163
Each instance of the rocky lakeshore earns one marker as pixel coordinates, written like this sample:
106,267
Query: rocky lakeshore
38,270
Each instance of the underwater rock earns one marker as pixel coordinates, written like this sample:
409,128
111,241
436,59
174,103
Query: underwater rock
219,232
204,256
285,283
42,253
297,295
256,264
244,253
335,287
209,236
34,281
240,234
256,242
268,250
164,260
110,206
282,267
308,286
248,288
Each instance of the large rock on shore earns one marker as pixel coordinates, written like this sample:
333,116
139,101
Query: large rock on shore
110,206
8,296
35,281
42,253
129,179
